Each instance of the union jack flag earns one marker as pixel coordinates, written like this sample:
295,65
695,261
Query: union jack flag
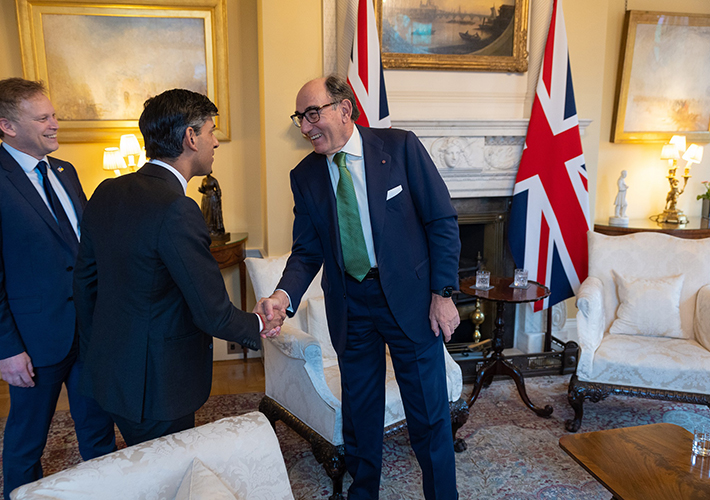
549,218
365,74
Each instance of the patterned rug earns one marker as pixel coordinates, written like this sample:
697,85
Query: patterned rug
512,454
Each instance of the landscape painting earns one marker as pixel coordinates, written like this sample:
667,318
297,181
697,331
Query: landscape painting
454,34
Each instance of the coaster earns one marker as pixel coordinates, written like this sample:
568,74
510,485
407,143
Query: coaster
483,289
521,287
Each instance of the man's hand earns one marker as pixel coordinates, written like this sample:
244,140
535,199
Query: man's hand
273,312
443,316
17,370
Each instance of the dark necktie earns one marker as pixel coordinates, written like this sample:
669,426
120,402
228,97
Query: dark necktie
357,262
58,210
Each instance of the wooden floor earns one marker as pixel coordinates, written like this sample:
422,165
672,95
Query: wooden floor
228,377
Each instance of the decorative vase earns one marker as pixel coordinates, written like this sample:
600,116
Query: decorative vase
706,209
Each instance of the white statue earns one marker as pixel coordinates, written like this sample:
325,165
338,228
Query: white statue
620,204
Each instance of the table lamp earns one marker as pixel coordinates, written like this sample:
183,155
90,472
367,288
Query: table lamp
113,160
671,152
130,149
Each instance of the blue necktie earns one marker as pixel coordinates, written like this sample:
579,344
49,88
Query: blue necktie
352,240
56,206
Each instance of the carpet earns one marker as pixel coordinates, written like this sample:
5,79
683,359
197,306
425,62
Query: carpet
512,454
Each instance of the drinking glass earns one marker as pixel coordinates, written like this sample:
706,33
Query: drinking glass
701,439
520,278
483,279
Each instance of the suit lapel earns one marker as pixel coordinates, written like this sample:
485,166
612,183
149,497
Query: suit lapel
22,183
377,173
69,187
323,196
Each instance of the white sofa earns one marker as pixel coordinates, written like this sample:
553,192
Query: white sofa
643,321
236,457
303,378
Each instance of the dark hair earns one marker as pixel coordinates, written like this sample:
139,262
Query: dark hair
12,92
339,89
166,116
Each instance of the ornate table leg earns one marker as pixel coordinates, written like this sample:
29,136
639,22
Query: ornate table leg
498,365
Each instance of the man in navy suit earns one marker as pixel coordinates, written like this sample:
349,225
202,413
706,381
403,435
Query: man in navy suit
39,240
387,278
149,294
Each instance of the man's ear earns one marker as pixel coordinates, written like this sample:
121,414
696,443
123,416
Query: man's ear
7,127
190,139
346,108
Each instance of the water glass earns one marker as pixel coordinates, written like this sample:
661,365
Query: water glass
520,278
701,440
483,279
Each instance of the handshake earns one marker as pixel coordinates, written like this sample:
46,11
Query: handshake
273,313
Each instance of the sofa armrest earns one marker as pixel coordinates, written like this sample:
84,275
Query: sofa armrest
590,323
242,451
295,378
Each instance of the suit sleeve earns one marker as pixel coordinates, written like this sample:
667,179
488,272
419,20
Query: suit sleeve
184,248
433,203
10,341
306,252
85,289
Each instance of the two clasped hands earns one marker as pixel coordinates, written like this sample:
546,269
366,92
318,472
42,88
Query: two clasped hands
272,311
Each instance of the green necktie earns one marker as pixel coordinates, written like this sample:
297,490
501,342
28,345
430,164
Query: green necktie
357,262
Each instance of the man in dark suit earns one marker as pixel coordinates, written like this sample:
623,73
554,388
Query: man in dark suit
149,294
371,208
39,241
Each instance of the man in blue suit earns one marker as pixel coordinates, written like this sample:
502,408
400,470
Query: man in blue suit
388,278
41,203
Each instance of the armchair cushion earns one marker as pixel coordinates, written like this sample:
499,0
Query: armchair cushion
648,306
200,483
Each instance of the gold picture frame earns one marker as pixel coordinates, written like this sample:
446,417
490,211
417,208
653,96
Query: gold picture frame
417,34
663,75
100,60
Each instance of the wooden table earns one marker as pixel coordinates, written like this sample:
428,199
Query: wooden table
695,229
502,294
649,462
233,253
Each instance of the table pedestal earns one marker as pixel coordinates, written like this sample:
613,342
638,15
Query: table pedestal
498,365
502,293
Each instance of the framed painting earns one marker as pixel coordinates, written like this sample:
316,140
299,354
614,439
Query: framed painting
101,60
664,70
484,35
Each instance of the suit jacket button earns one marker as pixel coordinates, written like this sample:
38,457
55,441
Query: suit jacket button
70,268
210,346
70,299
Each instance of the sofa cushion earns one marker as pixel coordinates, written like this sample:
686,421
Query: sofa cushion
200,483
318,327
651,362
648,307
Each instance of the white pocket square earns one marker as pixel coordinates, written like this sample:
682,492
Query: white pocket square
394,192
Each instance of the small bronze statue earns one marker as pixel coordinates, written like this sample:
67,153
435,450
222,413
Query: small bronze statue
212,208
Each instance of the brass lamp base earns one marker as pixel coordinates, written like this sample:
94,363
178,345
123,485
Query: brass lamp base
670,219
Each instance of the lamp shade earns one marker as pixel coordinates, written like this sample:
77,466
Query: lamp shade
669,152
113,160
129,145
694,154
679,142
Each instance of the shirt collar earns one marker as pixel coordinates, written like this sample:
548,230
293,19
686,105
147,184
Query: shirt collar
183,181
353,146
26,162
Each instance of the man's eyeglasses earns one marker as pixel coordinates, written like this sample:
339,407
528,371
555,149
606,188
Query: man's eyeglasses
311,114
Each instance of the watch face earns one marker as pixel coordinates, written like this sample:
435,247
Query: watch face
447,291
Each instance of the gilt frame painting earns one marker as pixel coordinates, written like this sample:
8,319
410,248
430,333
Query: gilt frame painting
482,35
663,87
101,60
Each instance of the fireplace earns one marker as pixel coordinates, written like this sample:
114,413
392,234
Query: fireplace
483,223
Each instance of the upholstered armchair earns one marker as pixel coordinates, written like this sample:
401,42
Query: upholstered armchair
235,457
643,321
303,378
